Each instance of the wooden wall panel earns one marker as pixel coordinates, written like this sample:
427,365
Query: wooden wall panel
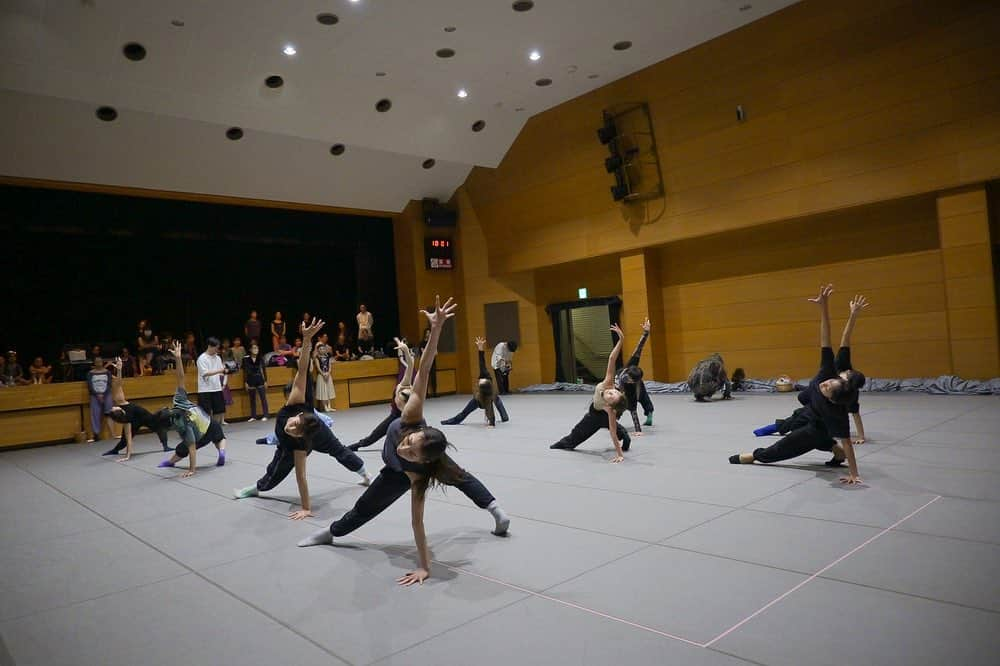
51,424
848,104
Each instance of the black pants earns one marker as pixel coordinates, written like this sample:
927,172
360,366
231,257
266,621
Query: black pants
254,392
283,461
388,487
214,435
798,442
473,405
379,432
503,380
798,419
591,422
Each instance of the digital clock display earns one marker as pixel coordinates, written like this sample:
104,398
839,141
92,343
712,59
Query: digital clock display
438,253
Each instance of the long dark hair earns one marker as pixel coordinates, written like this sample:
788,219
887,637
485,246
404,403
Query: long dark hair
441,470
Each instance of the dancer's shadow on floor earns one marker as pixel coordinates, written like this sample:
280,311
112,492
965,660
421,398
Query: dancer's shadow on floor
830,474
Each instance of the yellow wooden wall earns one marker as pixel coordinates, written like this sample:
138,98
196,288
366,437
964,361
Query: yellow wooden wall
849,102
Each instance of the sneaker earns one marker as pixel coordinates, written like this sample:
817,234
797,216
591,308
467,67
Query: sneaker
263,418
251,419
90,441
262,440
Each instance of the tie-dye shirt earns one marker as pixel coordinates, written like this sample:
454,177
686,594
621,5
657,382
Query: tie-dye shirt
191,421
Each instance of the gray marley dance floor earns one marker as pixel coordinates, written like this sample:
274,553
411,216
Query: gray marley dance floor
674,557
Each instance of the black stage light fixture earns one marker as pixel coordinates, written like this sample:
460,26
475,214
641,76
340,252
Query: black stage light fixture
607,133
620,189
613,163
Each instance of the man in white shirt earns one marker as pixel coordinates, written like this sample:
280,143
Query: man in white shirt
503,354
211,373
365,322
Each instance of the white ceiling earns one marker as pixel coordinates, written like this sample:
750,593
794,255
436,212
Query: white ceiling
61,59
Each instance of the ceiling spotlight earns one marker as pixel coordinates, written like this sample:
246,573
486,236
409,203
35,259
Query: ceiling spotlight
177,23
534,55
622,46
463,93
355,1
450,28
289,50
326,18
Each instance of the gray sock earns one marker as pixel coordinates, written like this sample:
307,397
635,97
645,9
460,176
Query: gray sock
501,518
319,538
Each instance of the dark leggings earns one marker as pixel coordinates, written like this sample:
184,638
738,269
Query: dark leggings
473,405
503,381
798,442
283,461
388,487
379,432
591,422
254,392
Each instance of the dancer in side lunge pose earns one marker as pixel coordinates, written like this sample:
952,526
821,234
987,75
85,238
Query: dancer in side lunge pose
485,396
842,364
191,422
415,456
399,397
629,382
605,408
300,431
825,416
130,416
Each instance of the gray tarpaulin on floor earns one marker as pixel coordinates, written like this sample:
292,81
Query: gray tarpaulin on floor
943,385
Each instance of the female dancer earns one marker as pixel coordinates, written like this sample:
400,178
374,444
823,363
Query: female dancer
606,406
299,432
842,364
629,381
130,416
399,396
415,457
485,397
189,420
825,416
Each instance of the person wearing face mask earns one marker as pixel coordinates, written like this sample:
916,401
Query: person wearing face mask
255,380
606,407
146,344
823,422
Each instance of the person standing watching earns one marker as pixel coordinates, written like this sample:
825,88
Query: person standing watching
210,372
365,322
503,355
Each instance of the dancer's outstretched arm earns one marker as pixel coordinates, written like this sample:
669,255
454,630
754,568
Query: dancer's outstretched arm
407,360
824,314
413,412
181,392
609,375
297,395
858,303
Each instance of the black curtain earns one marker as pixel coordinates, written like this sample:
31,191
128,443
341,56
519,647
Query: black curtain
556,311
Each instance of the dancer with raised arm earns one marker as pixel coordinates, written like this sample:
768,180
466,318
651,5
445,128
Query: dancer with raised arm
299,432
825,415
629,382
190,421
130,416
485,396
415,457
399,396
605,408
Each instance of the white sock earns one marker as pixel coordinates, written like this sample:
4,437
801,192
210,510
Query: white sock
366,478
501,518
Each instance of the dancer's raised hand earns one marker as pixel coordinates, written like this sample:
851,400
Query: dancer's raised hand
859,303
441,313
824,295
480,343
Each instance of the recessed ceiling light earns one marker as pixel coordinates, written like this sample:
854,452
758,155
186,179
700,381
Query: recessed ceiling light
478,126
383,105
519,109
444,53
450,28
379,73
744,8
289,50
337,149
463,93
571,69
326,18
592,76
428,164
522,5
234,133
622,46
177,23
541,83
134,51
107,113
274,81
355,1
534,55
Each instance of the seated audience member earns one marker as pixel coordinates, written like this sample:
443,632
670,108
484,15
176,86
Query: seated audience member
226,350
40,373
3,372
130,367
14,370
341,350
239,351
95,352
283,354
